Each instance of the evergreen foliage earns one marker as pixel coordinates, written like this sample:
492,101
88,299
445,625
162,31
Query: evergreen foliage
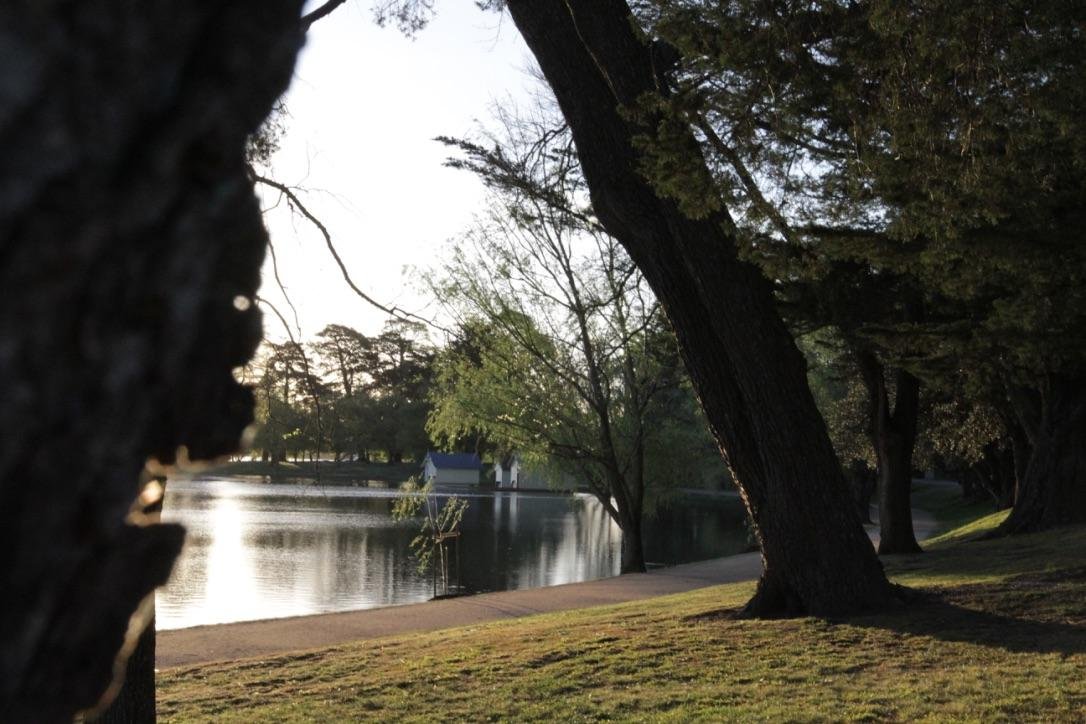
346,393
917,170
929,142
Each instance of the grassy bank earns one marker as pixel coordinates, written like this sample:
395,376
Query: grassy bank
1000,634
945,502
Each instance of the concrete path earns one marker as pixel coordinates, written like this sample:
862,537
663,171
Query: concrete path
222,642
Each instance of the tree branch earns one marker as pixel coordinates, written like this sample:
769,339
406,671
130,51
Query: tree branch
324,10
295,202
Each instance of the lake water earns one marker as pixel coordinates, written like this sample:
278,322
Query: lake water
256,550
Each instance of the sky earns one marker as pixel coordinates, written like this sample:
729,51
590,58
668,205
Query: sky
362,109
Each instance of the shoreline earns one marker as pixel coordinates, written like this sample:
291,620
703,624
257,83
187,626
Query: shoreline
272,637
346,474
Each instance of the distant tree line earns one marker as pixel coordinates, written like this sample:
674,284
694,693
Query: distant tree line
346,394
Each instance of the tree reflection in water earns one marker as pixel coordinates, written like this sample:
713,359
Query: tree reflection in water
262,551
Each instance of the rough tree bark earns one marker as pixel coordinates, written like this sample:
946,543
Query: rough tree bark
1052,491
893,435
746,369
132,245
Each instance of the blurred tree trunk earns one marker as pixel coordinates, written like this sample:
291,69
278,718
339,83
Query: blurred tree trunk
749,375
135,702
128,227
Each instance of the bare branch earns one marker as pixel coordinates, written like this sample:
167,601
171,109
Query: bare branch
296,203
324,10
283,289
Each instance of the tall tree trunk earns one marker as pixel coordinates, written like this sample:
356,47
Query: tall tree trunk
633,549
749,375
128,227
629,520
1021,450
628,495
997,473
1052,491
626,511
863,486
893,434
1010,454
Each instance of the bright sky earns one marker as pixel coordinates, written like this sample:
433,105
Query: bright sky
364,105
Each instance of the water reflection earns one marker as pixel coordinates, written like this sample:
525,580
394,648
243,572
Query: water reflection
264,551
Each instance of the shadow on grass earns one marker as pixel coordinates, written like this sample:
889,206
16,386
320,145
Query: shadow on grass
1033,612
1039,612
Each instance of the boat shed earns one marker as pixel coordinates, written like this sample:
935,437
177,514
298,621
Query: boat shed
452,469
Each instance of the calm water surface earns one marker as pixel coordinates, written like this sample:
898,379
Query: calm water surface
256,550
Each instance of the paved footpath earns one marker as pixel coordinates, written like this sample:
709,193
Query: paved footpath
223,642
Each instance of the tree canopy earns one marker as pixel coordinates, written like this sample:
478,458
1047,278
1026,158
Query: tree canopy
933,148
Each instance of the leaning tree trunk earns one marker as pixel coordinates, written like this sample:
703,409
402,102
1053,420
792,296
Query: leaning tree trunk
1052,491
893,435
749,375
132,245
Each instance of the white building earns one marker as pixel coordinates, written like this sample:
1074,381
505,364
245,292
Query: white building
451,469
501,473
512,473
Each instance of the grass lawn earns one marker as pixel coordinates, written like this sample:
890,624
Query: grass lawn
999,634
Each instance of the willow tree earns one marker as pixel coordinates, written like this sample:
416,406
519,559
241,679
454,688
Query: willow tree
568,360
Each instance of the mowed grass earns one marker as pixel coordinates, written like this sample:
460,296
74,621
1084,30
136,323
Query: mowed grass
998,633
